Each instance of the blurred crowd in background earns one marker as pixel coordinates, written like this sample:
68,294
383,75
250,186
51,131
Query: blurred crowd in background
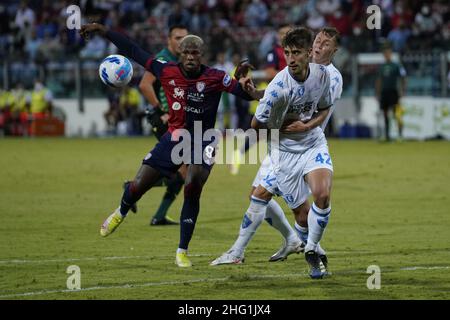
36,29
36,45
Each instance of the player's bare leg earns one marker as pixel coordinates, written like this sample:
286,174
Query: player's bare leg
145,178
319,181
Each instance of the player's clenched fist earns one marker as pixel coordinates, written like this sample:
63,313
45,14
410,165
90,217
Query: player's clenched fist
242,69
90,28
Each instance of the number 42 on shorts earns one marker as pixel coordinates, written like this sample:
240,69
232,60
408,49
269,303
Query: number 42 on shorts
323,159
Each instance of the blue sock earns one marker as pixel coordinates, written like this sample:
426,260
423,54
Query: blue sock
130,196
189,214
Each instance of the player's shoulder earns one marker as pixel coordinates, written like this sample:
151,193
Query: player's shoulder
318,71
281,79
280,84
318,68
217,75
334,72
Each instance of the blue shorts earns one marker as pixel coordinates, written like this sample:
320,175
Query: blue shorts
168,156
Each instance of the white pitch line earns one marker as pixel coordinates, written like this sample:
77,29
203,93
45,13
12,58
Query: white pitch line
164,283
24,261
31,261
424,268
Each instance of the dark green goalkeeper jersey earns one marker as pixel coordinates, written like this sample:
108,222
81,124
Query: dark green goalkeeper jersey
390,73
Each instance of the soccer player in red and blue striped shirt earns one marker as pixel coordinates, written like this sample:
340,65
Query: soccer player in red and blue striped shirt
193,92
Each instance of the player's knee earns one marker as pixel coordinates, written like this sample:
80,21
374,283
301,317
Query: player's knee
322,198
261,193
193,190
136,188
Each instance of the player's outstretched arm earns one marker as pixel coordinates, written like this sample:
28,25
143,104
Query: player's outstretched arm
129,48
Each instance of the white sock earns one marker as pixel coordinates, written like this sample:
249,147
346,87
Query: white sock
179,250
317,221
320,250
252,219
277,219
302,232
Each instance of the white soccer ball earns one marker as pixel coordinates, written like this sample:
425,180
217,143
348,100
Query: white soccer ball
115,71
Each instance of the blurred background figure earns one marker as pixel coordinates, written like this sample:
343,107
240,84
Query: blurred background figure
131,113
41,101
390,87
225,118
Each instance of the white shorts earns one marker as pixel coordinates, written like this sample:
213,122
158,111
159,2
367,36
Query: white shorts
262,172
288,177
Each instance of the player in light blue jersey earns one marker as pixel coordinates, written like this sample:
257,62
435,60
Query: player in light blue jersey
324,47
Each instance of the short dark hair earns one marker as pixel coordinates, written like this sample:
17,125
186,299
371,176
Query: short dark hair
284,25
177,26
299,37
332,32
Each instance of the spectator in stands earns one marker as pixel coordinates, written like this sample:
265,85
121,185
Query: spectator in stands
32,46
256,14
315,21
200,21
328,7
178,15
399,36
95,48
25,16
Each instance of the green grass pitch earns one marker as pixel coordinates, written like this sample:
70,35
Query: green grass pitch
391,208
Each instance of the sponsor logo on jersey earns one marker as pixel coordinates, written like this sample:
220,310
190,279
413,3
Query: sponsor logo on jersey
200,86
193,109
301,108
161,60
226,80
195,96
178,93
176,106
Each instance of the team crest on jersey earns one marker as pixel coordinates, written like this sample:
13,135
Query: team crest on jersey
301,91
178,93
176,106
200,86
172,82
226,80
